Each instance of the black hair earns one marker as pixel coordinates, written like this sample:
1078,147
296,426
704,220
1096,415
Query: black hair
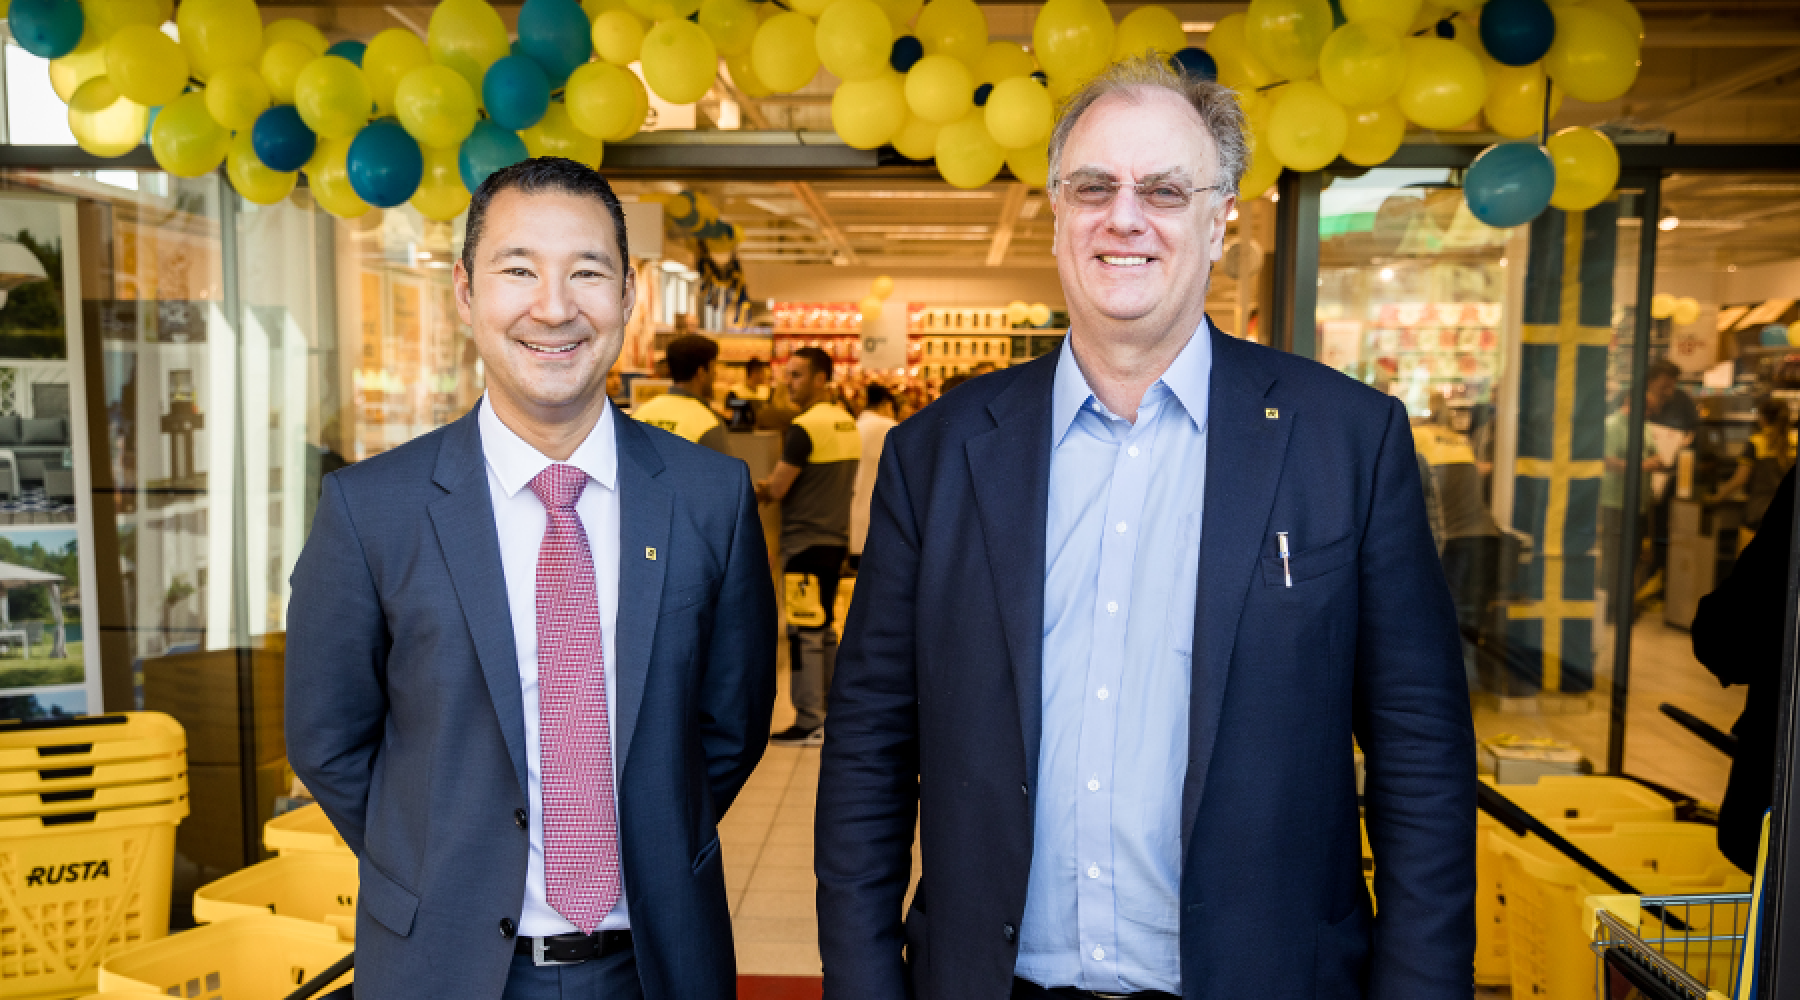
689,353
543,173
818,359
1663,368
755,365
878,394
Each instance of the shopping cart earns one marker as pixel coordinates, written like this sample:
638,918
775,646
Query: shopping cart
1650,959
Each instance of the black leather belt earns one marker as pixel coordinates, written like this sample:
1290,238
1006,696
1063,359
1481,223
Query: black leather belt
571,949
1025,989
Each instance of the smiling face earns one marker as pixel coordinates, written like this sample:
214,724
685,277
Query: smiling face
547,302
1132,272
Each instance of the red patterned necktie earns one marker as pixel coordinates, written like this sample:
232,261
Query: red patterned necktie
581,825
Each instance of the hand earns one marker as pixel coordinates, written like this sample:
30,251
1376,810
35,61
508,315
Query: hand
762,493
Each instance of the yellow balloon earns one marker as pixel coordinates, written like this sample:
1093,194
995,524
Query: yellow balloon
679,61
1239,68
1374,135
1038,314
743,75
441,195
939,89
867,113
967,156
1016,311
1306,128
1363,64
917,138
291,30
664,10
1621,11
594,8
185,140
854,39
1287,35
1003,61
810,9
1396,14
600,100
871,308
281,66
955,28
255,182
146,65
333,98
436,106
1444,84
900,12
68,73
882,286
1264,170
1018,113
639,113
467,36
783,54
328,177
618,37
1662,305
730,23
235,96
1149,30
1594,56
1587,168
219,33
105,122
390,56
1468,6
1515,99
555,134
1687,310
1073,38
1031,165
101,19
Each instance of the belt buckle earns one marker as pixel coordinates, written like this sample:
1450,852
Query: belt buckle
537,955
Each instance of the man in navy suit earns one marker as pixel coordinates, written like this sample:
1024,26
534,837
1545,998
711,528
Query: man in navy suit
1122,610
530,655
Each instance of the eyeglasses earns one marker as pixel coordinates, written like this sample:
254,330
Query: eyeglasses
1157,195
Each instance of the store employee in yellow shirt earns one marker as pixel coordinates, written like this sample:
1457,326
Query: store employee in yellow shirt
813,481
682,411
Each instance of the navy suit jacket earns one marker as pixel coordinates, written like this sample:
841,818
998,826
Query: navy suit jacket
936,705
405,719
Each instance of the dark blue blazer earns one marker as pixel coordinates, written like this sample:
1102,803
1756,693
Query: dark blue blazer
404,713
936,705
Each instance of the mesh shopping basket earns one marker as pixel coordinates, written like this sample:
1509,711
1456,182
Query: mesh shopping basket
319,886
304,830
262,957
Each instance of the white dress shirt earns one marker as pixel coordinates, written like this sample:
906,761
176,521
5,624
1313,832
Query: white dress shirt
874,430
521,520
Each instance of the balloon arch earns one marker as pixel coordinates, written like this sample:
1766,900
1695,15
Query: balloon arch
401,119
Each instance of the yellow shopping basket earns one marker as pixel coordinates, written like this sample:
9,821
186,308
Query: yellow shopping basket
251,958
90,740
302,831
319,886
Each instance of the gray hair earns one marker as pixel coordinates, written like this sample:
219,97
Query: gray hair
1216,104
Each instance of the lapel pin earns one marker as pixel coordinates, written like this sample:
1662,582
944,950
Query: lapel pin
1272,413
650,554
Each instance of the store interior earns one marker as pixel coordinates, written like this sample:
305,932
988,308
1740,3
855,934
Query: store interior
181,366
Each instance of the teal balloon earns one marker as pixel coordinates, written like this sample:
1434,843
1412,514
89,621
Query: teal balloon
281,140
486,150
384,164
350,49
556,35
1509,184
516,92
48,29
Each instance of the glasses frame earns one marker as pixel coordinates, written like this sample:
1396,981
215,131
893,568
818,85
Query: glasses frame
1138,187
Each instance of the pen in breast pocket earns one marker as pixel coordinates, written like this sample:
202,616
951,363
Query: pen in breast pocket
1287,571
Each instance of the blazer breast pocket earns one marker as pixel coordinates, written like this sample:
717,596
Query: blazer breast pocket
1309,563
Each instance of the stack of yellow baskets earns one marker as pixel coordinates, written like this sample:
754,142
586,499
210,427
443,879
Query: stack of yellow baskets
88,810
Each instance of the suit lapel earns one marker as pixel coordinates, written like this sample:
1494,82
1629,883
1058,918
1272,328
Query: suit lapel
645,506
464,521
1244,451
1010,467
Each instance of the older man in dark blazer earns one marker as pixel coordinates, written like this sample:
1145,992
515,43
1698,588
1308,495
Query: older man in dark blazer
1122,611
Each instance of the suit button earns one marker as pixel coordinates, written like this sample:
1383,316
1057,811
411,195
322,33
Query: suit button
507,927
520,818
1009,932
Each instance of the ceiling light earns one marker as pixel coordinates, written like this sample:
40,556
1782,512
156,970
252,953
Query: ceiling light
1668,223
1196,27
1503,262
1274,195
1387,274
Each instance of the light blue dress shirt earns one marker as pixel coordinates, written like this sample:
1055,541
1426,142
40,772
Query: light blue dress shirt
1102,910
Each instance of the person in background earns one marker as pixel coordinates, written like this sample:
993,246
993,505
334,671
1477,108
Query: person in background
983,368
813,481
1738,633
1616,439
615,390
1470,539
1666,405
685,410
1768,455
1665,402
873,423
745,401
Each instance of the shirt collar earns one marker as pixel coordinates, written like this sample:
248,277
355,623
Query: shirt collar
1187,377
517,463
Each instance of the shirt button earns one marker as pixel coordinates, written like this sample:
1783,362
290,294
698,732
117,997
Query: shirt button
1099,954
507,927
1112,607
1120,528
1093,784
1132,451
1093,871
1102,694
